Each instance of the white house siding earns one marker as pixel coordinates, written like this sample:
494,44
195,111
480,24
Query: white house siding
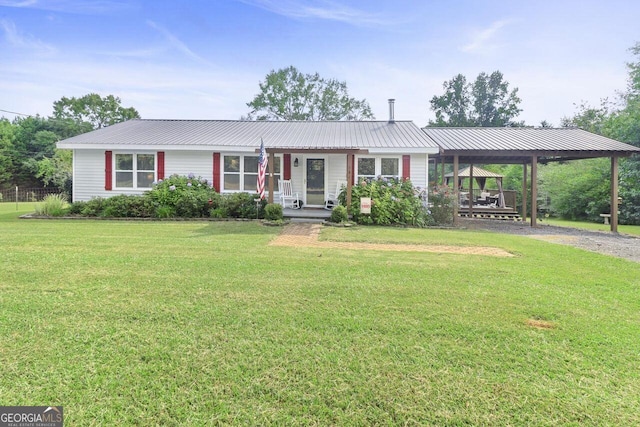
419,170
88,176
200,163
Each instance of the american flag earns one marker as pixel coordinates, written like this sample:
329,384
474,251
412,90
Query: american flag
262,169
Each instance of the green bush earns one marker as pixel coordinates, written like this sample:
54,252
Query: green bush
188,196
273,212
441,203
52,205
339,214
393,202
242,205
93,207
127,206
76,208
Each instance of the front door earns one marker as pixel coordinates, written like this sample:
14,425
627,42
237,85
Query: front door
315,182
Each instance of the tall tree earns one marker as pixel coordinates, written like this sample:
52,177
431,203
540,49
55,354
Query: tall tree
93,108
287,94
485,102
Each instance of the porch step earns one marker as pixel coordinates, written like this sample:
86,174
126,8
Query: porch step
306,214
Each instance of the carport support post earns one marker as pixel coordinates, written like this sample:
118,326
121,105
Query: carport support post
524,192
534,190
271,167
614,194
456,192
470,191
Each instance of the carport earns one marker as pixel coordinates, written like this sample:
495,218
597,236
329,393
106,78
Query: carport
528,147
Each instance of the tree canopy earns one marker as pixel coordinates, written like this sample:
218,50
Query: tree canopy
28,153
618,120
288,94
485,102
94,109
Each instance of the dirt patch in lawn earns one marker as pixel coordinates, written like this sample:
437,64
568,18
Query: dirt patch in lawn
306,235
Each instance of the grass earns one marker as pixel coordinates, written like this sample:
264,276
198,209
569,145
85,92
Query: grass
196,323
626,229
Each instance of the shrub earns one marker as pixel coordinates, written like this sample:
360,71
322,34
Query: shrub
339,214
441,200
188,196
273,212
52,205
92,208
242,205
127,206
393,202
76,208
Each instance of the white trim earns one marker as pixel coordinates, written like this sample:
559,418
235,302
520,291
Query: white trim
134,171
378,164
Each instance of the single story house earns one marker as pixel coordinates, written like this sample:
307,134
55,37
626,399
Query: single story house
127,158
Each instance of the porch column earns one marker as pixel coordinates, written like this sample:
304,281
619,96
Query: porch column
271,167
524,192
614,194
442,178
350,158
471,190
534,190
456,192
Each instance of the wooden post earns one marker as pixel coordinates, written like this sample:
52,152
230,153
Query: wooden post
534,190
435,171
614,194
456,193
471,190
524,192
442,170
350,158
271,167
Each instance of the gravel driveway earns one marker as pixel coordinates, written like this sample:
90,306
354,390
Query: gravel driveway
618,245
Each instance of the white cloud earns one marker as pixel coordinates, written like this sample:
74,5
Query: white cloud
82,7
484,40
324,10
21,41
177,44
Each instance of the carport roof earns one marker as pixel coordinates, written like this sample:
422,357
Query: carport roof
519,145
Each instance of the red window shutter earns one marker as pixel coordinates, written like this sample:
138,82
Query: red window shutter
287,166
108,170
160,164
216,172
406,167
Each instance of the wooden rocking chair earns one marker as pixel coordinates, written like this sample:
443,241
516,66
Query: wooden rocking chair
287,197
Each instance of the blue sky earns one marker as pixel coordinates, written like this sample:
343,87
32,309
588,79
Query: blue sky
203,59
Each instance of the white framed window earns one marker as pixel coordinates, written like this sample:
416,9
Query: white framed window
373,167
134,170
240,173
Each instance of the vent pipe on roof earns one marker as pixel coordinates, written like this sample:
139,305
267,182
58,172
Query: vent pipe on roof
391,118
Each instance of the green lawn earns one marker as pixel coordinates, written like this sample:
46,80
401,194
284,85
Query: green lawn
626,229
199,323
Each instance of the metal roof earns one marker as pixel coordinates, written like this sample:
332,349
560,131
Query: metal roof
517,144
477,173
298,135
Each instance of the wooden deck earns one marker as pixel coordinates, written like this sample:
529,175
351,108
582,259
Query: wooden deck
489,212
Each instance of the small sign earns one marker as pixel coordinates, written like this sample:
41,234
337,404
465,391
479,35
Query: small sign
31,416
365,205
